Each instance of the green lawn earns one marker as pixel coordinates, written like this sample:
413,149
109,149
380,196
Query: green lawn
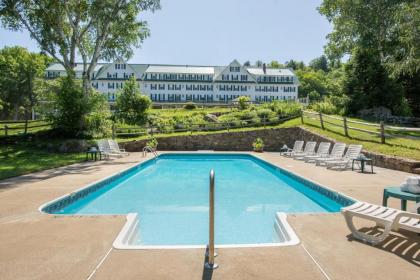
18,128
21,159
408,148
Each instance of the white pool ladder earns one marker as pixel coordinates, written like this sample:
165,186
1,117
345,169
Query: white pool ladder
150,149
210,264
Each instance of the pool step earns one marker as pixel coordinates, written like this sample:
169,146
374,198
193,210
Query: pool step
285,233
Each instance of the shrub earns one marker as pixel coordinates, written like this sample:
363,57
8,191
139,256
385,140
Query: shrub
265,113
152,143
286,108
132,106
229,119
325,107
79,115
244,102
190,106
247,115
258,144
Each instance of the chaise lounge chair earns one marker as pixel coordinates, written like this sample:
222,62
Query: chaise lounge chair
336,153
322,152
309,150
113,145
352,152
389,218
105,149
297,148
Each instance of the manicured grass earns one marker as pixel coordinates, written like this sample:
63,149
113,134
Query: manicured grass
18,128
22,159
408,148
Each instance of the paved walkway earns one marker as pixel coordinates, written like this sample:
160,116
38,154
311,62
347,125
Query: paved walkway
39,246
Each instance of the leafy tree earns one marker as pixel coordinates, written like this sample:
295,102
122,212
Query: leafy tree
275,64
387,29
312,82
300,65
366,24
77,114
320,63
20,70
291,64
98,29
368,85
132,106
258,63
247,63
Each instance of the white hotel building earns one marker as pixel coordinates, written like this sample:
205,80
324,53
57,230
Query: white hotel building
184,83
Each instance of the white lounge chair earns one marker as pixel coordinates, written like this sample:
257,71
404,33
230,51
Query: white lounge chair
322,152
113,145
353,152
389,218
309,150
336,153
297,148
105,150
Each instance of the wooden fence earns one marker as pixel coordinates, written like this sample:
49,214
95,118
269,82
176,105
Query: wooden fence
196,127
8,128
379,129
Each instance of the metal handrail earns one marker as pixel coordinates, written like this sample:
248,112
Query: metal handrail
150,149
211,253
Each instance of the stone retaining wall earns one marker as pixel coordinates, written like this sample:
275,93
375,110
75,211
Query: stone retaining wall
273,138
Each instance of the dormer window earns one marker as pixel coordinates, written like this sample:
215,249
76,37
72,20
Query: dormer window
120,66
234,69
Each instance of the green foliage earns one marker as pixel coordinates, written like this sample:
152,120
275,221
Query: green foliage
247,115
152,143
97,30
79,115
311,81
244,102
388,30
283,108
368,84
20,70
132,106
275,64
320,63
325,107
258,144
265,113
190,106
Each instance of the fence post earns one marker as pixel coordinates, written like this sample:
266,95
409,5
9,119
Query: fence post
264,121
26,126
382,132
320,119
301,116
113,130
346,132
5,130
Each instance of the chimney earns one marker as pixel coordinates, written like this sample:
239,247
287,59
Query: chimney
264,68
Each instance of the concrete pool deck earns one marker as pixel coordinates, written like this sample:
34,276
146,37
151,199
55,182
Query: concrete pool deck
39,246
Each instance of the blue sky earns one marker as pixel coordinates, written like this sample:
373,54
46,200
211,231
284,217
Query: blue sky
214,32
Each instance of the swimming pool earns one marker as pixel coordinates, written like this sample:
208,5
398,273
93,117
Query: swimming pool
170,196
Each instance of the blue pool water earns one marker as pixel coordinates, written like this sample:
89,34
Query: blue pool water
170,195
